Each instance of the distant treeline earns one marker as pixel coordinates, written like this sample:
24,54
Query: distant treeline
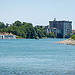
25,30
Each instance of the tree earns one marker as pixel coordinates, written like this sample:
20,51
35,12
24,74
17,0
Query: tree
17,23
2,25
24,30
7,25
50,35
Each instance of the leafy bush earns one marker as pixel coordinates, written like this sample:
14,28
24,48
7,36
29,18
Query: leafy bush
73,37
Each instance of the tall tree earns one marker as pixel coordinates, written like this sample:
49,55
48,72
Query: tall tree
2,25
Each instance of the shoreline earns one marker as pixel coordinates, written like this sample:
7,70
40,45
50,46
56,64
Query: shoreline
67,42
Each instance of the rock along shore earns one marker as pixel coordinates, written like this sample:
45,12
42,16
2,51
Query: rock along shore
67,42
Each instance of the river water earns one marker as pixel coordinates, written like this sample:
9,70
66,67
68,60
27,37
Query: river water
36,57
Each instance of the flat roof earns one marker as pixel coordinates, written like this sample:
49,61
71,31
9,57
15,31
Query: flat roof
61,21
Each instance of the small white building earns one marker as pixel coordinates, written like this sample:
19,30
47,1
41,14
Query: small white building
7,37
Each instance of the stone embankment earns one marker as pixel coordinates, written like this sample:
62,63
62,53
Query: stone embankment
67,42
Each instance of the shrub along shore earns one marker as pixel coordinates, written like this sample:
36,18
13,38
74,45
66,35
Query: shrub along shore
70,41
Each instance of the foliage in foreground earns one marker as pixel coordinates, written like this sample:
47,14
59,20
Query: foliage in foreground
73,37
24,30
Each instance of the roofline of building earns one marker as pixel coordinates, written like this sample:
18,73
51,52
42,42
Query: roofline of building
61,21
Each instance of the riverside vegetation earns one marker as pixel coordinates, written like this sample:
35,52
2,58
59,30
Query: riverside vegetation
73,37
25,30
70,41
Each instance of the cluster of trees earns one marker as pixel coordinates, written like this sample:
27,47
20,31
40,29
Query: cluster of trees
24,30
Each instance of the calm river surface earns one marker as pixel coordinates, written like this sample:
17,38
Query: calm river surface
36,57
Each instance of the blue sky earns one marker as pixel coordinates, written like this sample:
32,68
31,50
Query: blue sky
37,11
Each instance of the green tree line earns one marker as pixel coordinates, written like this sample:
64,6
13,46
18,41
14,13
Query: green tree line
25,30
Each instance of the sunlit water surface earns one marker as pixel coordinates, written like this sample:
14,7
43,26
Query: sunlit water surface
36,57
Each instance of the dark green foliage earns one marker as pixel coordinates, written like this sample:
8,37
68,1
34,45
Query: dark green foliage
24,30
17,23
50,35
7,25
39,32
1,30
2,25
